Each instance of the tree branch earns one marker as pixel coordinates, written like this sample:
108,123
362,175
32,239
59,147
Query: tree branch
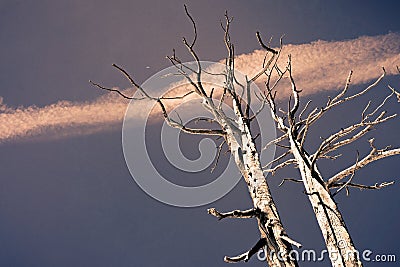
269,49
185,129
219,148
328,144
278,158
361,186
247,255
291,180
395,92
340,99
374,155
295,94
291,241
194,26
250,213
351,178
277,140
281,165
116,91
200,88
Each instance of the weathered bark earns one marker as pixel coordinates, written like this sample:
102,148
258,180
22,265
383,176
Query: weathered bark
237,134
294,130
338,242
270,225
241,143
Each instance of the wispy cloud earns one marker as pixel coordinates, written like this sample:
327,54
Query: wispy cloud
318,66
322,66
61,119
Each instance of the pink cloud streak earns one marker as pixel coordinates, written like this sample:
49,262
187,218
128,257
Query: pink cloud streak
318,66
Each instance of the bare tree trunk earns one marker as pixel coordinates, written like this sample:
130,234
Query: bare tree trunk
338,242
273,236
237,134
241,143
294,130
270,225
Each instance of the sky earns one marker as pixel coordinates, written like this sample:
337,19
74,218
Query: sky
66,195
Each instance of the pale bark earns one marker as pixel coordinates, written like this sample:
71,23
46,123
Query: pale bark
294,130
337,238
240,140
270,226
241,144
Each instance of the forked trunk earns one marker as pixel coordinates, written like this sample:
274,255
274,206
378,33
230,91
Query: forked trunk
270,225
340,247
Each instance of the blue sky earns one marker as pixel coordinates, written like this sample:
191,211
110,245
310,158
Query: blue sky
71,201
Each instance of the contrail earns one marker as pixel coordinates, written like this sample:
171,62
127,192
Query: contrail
318,66
324,66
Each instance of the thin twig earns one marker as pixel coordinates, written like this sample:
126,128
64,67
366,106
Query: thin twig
350,179
291,180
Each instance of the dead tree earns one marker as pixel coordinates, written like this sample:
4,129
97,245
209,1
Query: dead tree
238,136
294,125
